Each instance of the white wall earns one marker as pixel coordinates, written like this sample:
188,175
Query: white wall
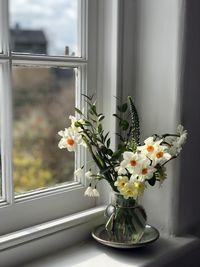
152,76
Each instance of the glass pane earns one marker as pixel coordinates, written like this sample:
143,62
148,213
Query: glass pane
44,27
41,108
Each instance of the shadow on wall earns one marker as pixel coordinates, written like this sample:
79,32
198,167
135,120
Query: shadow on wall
189,207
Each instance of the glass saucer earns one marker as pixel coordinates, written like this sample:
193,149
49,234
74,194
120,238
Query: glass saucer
150,235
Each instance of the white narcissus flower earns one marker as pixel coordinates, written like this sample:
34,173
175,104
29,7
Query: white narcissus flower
120,170
95,192
73,121
89,175
121,181
176,143
89,192
150,147
131,161
180,130
160,156
79,172
146,171
70,139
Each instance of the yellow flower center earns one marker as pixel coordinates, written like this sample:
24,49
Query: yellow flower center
70,141
159,154
144,171
150,148
133,163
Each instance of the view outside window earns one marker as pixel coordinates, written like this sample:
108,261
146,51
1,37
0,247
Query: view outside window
44,27
43,98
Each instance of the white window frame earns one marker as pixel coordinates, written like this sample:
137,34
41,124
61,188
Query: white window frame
42,206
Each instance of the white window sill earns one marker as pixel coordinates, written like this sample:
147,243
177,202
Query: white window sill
47,238
67,242
174,251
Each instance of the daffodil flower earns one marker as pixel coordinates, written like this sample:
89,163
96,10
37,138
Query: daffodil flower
131,161
95,192
121,181
160,155
89,192
79,173
150,147
129,190
70,139
73,122
139,187
145,171
89,175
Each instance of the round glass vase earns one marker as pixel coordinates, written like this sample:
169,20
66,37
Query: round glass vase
127,219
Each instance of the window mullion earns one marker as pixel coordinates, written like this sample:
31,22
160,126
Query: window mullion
4,27
6,133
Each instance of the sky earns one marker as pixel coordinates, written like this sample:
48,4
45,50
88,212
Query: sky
57,18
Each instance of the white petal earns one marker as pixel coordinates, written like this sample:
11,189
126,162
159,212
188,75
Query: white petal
133,177
61,133
88,175
79,172
96,193
149,140
89,192
62,143
127,155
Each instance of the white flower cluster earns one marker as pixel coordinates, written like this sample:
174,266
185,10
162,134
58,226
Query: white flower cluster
176,142
131,174
90,191
71,138
138,167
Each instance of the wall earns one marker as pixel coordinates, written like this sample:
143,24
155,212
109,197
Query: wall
153,72
189,210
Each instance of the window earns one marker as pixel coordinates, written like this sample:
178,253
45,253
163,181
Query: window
44,68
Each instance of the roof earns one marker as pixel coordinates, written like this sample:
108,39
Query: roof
28,36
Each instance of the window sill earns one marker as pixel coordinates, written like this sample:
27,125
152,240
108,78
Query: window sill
40,240
172,251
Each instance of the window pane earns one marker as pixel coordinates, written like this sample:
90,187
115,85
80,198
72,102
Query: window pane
43,100
44,27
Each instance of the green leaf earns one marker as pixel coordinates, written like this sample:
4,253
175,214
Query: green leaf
123,108
118,153
109,152
88,97
101,117
108,142
115,115
77,124
100,128
78,111
134,121
93,109
124,125
105,137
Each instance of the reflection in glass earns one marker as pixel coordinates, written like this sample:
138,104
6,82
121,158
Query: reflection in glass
43,100
44,27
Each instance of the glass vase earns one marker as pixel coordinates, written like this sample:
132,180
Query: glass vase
126,220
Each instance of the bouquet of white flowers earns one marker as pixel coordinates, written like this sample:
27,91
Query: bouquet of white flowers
132,165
